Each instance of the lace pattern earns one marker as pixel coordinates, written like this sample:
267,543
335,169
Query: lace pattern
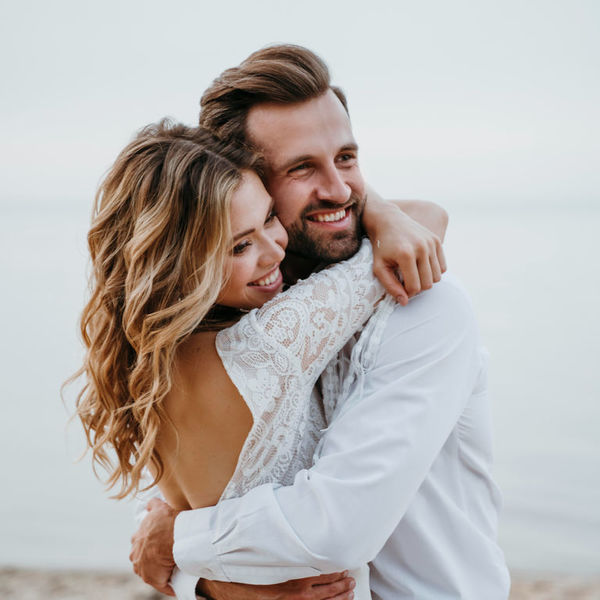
274,356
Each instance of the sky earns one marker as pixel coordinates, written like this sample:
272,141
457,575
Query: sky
470,103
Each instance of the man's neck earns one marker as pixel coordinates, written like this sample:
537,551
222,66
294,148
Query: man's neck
296,267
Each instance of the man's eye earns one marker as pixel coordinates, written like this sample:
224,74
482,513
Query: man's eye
239,248
346,157
298,168
272,216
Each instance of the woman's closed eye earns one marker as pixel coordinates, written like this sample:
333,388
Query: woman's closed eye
241,246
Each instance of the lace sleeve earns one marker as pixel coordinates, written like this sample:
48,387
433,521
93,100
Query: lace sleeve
303,328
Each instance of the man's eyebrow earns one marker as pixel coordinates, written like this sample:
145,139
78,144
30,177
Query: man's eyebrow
353,146
293,161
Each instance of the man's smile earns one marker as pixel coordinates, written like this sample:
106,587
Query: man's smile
328,217
332,218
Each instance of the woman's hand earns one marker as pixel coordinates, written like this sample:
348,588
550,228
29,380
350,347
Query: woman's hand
335,586
407,252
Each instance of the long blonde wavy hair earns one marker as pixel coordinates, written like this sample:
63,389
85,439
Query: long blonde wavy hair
159,242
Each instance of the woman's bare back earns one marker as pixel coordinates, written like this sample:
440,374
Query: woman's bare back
212,422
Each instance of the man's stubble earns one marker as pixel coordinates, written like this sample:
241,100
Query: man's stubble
330,248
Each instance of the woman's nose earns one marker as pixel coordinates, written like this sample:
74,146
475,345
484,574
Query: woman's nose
275,243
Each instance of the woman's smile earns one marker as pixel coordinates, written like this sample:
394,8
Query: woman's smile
273,279
259,242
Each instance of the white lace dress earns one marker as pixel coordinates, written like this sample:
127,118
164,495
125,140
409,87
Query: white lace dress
274,356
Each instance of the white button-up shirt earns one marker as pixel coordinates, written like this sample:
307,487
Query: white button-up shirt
402,477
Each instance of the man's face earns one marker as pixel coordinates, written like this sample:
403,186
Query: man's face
312,174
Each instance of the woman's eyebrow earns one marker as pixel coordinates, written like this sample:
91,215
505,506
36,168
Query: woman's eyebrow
237,236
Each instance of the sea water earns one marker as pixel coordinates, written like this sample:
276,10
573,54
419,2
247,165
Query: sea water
535,281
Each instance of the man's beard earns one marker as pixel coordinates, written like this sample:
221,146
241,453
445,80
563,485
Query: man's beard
326,248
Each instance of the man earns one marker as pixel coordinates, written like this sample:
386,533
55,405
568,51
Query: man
401,477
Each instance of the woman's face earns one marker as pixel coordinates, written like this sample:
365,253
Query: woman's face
258,245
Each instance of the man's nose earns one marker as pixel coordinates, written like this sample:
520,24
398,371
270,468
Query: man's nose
332,186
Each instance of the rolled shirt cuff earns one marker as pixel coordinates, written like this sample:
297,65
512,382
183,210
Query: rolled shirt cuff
193,549
184,585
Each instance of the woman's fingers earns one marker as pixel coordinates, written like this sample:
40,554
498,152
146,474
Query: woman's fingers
441,257
436,270
425,273
391,283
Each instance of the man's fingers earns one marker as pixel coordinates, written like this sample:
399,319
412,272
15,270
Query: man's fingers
153,504
333,590
326,578
345,596
161,586
167,590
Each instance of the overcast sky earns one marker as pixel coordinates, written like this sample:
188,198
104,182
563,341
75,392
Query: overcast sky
462,102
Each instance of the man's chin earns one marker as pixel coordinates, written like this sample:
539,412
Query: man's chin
334,249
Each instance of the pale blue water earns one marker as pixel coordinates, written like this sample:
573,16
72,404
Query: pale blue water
535,281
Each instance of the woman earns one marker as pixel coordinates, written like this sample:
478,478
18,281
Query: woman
181,379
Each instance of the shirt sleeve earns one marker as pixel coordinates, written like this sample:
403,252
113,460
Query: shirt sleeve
372,460
183,584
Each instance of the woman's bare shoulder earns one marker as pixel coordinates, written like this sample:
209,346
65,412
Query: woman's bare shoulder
198,374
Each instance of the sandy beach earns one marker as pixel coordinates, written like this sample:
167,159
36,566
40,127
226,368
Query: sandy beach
20,584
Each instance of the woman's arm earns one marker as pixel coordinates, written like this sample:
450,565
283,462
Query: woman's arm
306,325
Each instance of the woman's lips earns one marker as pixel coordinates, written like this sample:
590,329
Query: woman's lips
270,281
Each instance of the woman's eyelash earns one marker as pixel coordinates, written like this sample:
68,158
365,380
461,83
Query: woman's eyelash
239,248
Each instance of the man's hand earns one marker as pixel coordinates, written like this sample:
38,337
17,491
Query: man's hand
407,256
336,586
152,546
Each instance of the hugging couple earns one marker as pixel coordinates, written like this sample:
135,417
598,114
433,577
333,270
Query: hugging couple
293,424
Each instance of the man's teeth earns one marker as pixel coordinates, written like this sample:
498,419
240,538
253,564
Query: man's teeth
329,217
268,280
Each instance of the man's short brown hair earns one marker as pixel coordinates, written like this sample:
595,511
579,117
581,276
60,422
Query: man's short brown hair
283,73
